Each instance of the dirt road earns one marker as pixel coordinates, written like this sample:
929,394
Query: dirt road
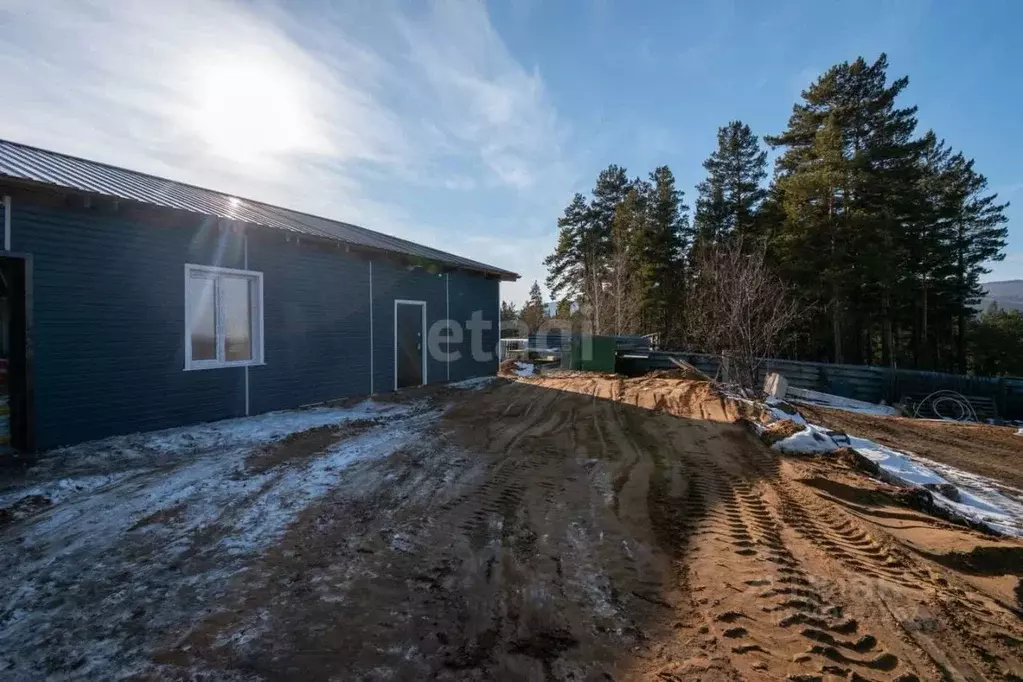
551,530
579,528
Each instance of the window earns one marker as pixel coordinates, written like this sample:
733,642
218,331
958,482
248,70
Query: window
223,317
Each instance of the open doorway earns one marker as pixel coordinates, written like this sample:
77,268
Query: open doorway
17,428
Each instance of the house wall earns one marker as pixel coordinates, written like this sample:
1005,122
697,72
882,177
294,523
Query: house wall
315,320
109,321
466,295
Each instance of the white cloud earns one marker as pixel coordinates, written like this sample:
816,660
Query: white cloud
337,109
487,101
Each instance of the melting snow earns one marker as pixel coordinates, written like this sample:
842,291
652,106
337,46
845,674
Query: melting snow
71,471
810,441
472,384
862,408
804,396
524,369
100,530
778,413
973,497
298,487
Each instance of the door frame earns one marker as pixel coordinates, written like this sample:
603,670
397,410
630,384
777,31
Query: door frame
422,360
23,433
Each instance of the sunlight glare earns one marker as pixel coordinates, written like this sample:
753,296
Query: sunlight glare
250,106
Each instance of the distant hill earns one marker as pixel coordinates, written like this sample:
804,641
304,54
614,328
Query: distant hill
1007,294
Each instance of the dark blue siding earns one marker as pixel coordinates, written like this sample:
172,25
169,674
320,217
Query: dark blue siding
391,281
109,321
109,324
316,322
468,294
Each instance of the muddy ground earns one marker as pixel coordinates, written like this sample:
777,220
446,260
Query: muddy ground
569,528
983,449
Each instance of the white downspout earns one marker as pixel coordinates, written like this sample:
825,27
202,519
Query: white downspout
245,257
447,315
7,222
371,327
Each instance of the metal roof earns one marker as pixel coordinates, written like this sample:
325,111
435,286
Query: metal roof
40,166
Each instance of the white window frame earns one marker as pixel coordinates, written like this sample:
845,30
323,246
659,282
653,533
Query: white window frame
255,318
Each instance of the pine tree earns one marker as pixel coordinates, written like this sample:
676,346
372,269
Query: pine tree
508,312
732,193
579,267
535,296
564,310
511,322
874,162
978,236
660,249
883,236
629,232
928,240
996,343
813,244
566,267
534,312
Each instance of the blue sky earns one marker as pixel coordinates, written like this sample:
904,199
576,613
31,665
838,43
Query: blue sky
468,126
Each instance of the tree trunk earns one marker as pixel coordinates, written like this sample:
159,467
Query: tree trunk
887,338
593,284
922,361
961,342
961,317
836,330
855,355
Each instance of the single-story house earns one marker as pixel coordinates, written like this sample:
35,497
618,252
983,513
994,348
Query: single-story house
133,303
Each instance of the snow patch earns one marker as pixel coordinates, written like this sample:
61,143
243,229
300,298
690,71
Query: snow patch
61,489
976,498
777,412
180,523
73,471
851,406
474,384
291,492
812,440
809,397
524,369
969,496
259,429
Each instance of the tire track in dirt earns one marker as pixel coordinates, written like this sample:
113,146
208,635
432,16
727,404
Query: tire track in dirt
630,557
766,618
911,614
770,607
515,522
934,614
582,534
759,589
846,541
493,505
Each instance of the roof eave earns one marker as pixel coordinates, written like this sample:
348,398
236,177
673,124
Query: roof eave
503,275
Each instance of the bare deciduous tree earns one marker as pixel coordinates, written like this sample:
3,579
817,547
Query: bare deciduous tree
737,308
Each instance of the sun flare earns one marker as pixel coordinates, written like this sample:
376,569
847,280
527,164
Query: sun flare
250,107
